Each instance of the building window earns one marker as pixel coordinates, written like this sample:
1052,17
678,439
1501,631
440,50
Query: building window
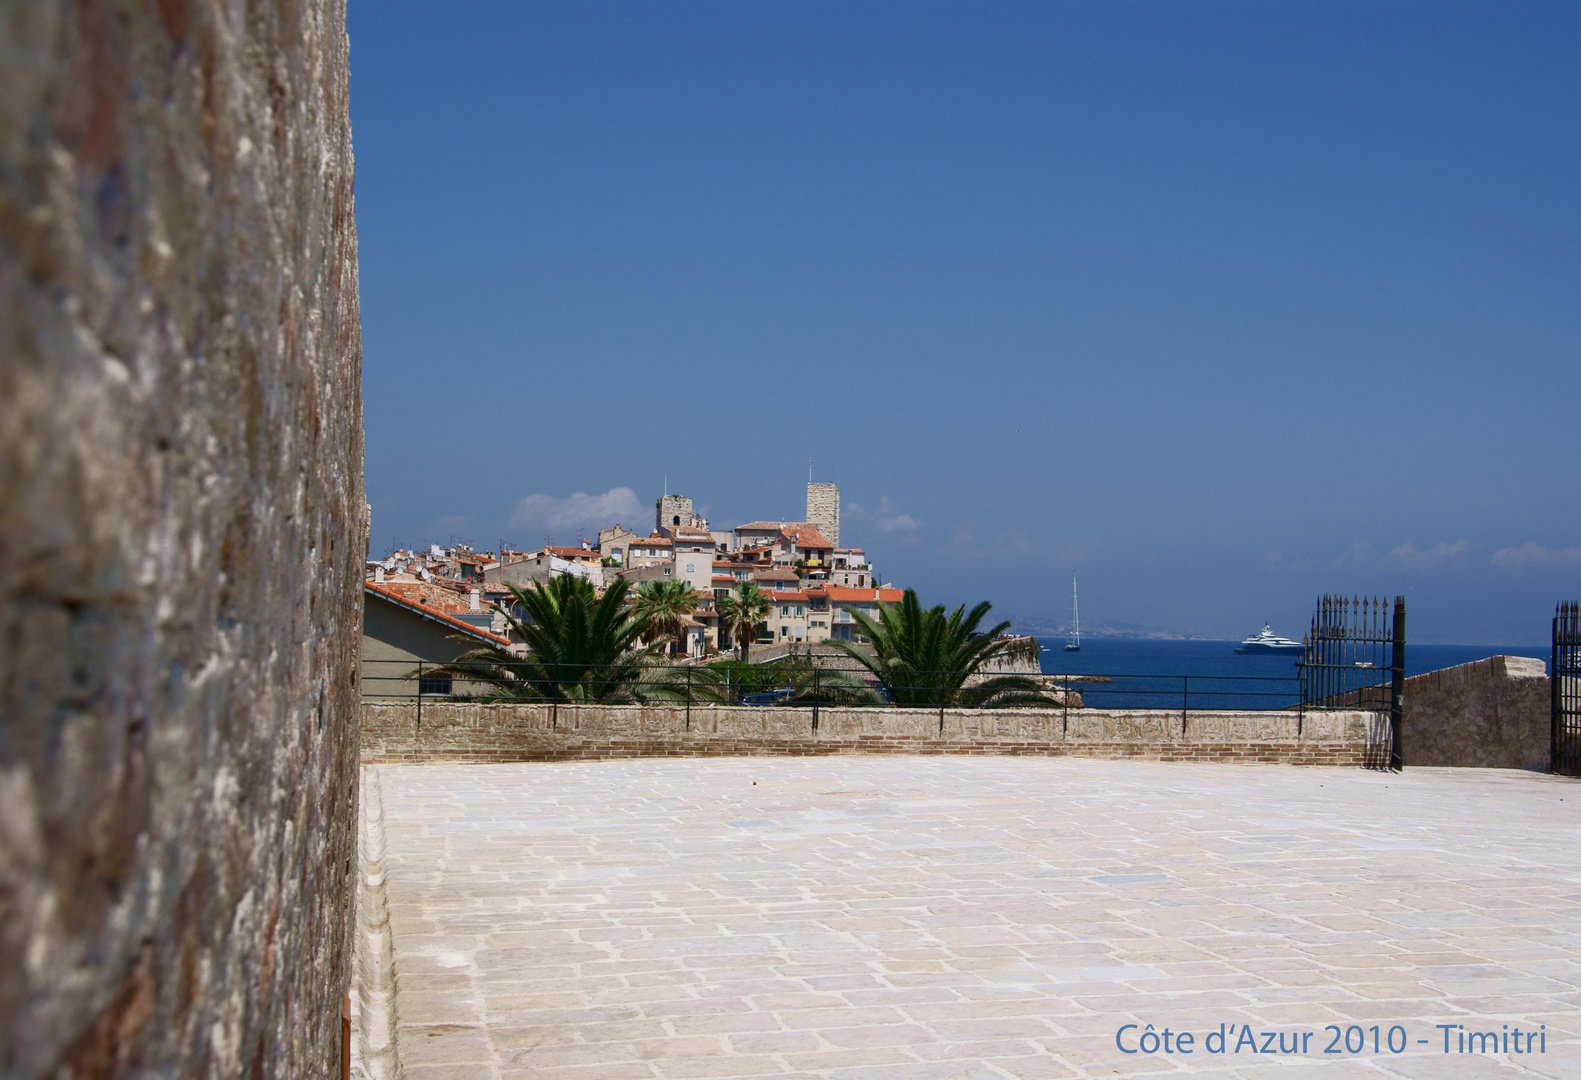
430,684
690,568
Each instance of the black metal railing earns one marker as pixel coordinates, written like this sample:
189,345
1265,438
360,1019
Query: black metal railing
1354,658
1565,681
798,684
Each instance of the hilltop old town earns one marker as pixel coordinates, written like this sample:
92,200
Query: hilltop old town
813,584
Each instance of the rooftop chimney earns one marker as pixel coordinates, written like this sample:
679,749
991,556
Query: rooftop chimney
378,575
476,604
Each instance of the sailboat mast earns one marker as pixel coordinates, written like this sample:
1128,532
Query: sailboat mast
1073,642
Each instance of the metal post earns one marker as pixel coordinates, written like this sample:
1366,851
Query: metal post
688,698
419,693
1554,683
1397,697
1185,702
814,689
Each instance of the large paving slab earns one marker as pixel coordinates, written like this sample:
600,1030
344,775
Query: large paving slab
865,917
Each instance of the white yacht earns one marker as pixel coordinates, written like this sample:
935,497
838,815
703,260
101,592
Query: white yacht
1265,640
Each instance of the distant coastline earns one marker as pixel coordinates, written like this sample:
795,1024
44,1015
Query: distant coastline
1049,631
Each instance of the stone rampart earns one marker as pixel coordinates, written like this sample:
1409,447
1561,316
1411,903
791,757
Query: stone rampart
1492,713
182,532
500,733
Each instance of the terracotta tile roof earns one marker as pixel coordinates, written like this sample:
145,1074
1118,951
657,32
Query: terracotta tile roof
760,525
840,594
431,595
572,552
774,575
651,541
384,592
788,594
806,536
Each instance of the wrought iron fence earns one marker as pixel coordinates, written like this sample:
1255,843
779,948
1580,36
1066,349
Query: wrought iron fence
1354,658
799,684
1565,681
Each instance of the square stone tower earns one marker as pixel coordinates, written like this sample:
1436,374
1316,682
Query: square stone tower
670,512
823,510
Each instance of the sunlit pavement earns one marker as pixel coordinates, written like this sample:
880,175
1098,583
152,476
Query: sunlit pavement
894,916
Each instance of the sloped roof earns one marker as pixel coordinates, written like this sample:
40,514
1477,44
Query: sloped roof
572,552
446,620
841,594
433,596
806,536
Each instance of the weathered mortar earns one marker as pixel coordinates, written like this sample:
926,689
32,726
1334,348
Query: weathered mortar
181,537
475,732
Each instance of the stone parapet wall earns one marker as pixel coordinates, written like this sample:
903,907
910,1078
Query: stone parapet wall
501,733
1492,713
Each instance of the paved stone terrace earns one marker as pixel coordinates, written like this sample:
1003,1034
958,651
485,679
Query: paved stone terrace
973,917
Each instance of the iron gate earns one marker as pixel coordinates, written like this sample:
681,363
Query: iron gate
1565,678
1354,658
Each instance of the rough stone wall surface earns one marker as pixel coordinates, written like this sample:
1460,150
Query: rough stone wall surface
823,509
181,537
495,733
1492,713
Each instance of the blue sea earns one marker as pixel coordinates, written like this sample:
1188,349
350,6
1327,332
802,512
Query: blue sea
1152,674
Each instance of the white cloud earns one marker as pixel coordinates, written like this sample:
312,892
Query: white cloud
884,519
1532,556
1414,558
578,511
450,525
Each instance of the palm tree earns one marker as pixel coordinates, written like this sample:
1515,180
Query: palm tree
746,612
580,646
926,657
666,606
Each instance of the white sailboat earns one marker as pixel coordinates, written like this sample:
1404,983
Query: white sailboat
1073,639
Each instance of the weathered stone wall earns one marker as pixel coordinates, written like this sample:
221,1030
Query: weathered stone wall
495,733
181,537
1493,713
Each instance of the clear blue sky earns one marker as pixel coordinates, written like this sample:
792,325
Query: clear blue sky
1219,305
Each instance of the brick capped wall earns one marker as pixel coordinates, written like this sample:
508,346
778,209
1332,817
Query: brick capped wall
498,733
181,538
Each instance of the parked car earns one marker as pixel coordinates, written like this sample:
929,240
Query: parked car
769,697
